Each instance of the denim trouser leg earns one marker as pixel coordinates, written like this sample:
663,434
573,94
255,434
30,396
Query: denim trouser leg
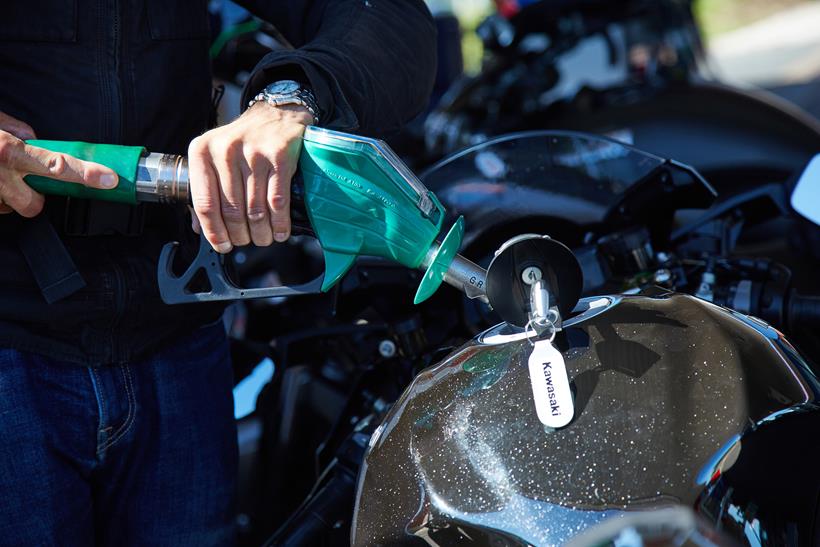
47,440
138,454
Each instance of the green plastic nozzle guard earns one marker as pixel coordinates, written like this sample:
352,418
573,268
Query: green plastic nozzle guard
122,159
440,263
359,203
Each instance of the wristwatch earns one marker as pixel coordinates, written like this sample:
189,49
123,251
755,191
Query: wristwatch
288,92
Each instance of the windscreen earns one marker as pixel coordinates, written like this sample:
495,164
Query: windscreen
565,174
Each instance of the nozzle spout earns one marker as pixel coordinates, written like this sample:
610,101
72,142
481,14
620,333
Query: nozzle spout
461,273
468,277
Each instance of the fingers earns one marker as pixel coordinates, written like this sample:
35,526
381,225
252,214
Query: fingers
257,210
39,161
17,195
232,188
18,159
25,159
206,196
279,202
283,167
14,193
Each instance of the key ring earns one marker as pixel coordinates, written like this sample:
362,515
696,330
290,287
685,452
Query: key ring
529,327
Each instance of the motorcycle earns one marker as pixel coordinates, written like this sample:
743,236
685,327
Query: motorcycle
676,400
460,490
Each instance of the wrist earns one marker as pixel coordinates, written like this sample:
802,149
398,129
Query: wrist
291,112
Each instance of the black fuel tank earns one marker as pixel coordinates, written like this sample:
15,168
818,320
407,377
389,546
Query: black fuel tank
677,401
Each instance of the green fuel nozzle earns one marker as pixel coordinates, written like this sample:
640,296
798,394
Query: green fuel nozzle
358,197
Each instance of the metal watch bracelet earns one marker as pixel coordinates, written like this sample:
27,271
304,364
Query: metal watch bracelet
302,96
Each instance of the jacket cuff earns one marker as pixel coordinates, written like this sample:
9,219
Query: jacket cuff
336,112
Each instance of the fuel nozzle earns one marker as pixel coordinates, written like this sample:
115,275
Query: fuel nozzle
359,200
352,193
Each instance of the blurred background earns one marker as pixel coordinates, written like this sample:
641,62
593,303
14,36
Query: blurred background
774,44
764,44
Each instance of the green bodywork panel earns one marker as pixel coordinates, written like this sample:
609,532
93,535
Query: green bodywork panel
122,159
359,204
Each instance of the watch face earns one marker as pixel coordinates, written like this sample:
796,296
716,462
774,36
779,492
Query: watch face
283,87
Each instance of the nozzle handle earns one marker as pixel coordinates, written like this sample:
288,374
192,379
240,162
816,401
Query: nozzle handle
124,160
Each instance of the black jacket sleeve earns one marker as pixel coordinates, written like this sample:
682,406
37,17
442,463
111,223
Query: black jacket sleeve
370,63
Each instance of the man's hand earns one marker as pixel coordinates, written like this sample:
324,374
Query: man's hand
18,159
240,176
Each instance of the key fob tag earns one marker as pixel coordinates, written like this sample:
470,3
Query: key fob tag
550,385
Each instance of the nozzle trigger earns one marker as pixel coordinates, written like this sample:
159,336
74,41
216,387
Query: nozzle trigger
176,289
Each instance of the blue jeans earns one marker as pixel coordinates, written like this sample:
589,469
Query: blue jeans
139,454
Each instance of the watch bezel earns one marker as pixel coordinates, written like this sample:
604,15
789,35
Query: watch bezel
282,87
